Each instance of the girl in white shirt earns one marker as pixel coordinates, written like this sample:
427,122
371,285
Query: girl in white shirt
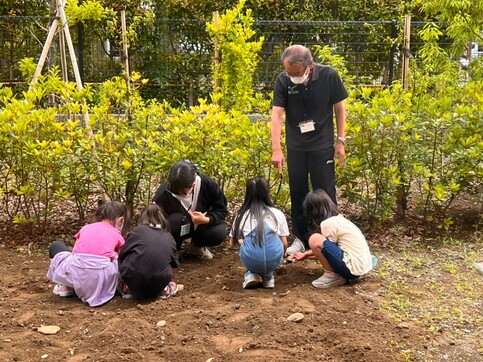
261,230
336,242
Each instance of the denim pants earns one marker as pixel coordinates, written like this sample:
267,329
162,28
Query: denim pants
335,257
262,259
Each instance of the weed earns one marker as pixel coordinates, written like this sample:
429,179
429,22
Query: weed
450,268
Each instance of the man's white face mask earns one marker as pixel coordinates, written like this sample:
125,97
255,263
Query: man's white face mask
302,78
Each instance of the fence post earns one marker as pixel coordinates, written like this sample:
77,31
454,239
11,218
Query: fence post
406,51
402,189
392,52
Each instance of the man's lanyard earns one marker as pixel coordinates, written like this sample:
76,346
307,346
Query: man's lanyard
305,93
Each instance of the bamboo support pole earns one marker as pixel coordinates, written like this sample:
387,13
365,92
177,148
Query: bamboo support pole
217,78
125,46
125,55
406,51
45,51
63,57
70,45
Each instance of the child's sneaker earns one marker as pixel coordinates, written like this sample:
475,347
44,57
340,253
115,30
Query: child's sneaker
374,261
168,291
329,279
63,290
123,290
270,284
202,253
252,280
296,247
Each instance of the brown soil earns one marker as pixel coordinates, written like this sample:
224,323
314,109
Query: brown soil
423,302
214,319
211,318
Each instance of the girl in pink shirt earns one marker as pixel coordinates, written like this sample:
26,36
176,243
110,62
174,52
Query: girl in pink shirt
90,270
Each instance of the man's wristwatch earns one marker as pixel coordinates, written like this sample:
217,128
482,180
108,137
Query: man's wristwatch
341,139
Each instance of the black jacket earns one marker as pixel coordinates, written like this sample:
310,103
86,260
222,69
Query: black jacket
146,259
210,200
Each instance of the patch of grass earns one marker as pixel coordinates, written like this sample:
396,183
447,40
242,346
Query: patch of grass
437,287
449,240
450,268
396,302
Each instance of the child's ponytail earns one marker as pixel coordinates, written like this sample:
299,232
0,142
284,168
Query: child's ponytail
112,210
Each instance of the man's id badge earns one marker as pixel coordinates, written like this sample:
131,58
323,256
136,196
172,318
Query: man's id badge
185,229
307,126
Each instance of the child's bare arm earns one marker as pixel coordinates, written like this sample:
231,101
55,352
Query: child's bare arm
284,242
302,256
235,244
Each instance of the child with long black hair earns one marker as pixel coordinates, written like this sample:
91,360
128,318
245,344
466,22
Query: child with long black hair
335,241
261,230
148,256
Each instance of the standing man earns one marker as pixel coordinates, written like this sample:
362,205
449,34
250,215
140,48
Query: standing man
309,94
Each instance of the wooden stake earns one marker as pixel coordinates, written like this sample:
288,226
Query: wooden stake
406,51
45,51
216,75
70,45
125,55
63,57
124,47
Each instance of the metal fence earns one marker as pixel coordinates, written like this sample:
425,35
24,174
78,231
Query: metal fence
177,55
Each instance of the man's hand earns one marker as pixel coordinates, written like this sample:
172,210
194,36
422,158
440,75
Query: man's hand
339,153
278,160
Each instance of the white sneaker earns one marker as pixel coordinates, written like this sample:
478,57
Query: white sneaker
296,247
329,279
203,253
206,254
63,290
251,280
270,284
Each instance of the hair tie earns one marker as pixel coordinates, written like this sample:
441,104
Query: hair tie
196,166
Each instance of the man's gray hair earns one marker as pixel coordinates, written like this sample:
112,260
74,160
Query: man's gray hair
297,54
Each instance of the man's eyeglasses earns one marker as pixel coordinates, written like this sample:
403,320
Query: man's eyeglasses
299,74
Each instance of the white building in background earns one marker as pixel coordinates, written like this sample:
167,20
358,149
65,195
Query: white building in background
475,50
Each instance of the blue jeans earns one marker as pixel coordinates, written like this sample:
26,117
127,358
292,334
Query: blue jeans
262,259
334,256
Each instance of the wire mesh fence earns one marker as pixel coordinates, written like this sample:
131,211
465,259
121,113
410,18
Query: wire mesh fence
177,55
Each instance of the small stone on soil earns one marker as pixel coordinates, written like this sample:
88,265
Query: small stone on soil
296,317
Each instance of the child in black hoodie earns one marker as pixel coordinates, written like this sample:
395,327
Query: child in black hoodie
147,258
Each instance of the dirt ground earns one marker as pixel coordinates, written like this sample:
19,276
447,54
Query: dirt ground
409,309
